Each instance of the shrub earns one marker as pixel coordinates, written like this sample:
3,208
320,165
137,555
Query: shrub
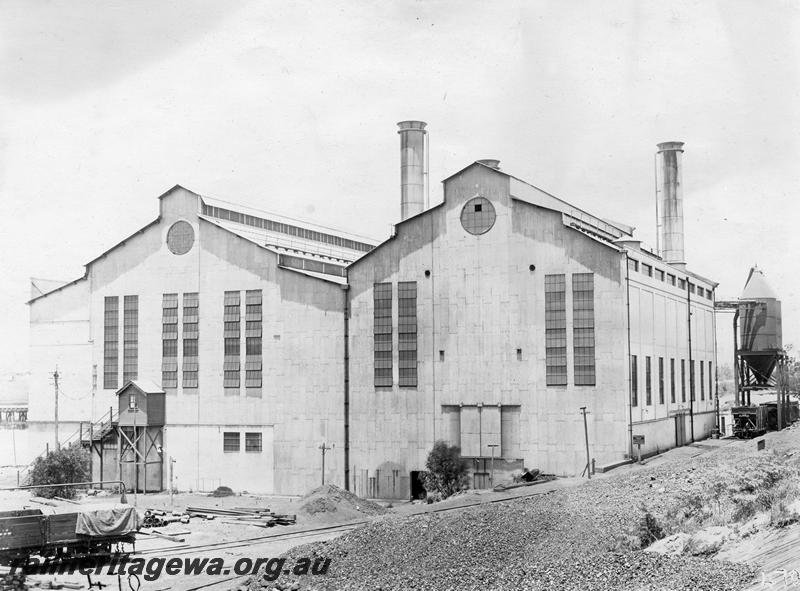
223,491
62,466
447,472
649,530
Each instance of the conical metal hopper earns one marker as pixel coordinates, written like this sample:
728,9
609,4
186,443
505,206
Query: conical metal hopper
759,327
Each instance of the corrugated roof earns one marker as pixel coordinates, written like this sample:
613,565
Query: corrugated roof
39,287
525,191
146,386
287,232
280,242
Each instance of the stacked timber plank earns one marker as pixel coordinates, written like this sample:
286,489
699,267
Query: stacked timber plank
261,517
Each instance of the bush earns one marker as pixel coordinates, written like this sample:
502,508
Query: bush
649,530
223,491
68,464
447,472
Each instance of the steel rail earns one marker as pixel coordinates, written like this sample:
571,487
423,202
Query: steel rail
324,529
123,488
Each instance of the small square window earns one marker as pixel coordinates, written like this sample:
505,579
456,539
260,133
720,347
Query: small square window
479,207
252,442
231,441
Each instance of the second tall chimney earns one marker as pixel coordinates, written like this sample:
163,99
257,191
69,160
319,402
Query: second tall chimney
669,201
412,168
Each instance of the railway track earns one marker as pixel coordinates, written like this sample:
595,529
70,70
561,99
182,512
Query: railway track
309,532
189,549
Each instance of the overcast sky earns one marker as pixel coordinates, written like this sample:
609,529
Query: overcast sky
291,107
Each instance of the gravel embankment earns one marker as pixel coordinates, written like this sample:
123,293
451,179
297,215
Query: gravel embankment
569,539
550,542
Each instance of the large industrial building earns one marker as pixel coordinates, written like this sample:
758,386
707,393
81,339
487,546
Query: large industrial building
253,349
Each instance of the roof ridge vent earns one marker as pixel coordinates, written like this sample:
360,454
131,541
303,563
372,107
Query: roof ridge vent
490,162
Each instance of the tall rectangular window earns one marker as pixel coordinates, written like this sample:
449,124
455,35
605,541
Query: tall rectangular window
702,381
407,332
253,342
111,342
691,378
634,381
231,343
672,380
382,332
583,328
710,382
648,382
683,380
555,318
191,305
169,341
130,338
661,380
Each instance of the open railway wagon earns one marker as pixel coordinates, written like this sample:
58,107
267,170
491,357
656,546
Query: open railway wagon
29,532
753,421
750,421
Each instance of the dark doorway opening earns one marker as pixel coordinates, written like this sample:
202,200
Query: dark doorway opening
417,488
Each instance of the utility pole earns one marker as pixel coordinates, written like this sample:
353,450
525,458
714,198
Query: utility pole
491,475
324,448
171,487
691,361
588,469
94,388
780,390
135,447
55,383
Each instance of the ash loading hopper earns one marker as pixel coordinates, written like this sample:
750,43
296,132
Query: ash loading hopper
760,327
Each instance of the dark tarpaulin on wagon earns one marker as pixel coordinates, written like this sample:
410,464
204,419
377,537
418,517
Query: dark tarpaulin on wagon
107,522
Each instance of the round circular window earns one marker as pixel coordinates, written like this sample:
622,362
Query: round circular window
478,216
180,237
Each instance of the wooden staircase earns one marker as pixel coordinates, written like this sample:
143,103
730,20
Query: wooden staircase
96,432
86,435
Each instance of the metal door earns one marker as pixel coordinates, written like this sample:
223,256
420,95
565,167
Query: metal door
481,480
680,430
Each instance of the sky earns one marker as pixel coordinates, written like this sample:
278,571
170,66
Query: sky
292,108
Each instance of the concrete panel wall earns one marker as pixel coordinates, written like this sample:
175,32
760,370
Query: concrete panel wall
480,304
201,463
659,329
301,402
60,337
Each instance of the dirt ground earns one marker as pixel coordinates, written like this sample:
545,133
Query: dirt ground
770,549
329,507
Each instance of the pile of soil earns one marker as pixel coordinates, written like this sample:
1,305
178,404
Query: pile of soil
338,504
223,491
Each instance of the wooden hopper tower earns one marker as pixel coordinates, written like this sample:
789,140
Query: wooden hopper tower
140,433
